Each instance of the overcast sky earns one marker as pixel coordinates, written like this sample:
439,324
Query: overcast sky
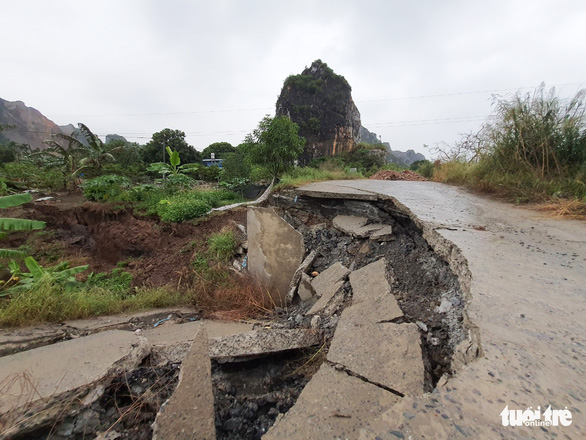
421,72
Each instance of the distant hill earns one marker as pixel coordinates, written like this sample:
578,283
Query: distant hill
320,102
404,158
27,125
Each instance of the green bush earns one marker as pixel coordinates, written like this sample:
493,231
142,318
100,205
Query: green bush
181,208
26,175
176,182
104,188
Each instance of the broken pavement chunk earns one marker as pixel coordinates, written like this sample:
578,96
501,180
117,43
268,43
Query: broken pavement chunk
189,412
371,293
359,227
327,284
262,341
301,270
387,354
275,249
332,405
305,290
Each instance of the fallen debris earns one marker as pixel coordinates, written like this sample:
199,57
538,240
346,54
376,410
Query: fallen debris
360,228
327,284
398,175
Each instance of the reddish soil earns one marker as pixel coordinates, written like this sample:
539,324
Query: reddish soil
102,236
396,175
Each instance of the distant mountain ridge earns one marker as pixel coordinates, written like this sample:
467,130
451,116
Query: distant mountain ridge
404,158
27,124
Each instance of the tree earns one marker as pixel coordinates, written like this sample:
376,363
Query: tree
220,149
93,151
275,144
155,150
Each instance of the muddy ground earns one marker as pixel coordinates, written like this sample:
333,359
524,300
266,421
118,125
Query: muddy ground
106,237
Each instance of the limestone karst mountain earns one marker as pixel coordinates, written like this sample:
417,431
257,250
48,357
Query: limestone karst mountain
320,102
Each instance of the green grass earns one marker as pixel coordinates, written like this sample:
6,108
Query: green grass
302,176
222,245
48,302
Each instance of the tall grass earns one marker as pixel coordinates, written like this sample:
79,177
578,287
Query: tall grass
48,302
303,176
533,149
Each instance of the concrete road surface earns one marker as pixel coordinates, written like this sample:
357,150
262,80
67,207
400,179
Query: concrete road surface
528,300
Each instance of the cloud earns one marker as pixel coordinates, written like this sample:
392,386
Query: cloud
136,67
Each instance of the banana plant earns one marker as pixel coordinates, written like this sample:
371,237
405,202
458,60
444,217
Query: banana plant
174,166
60,274
16,224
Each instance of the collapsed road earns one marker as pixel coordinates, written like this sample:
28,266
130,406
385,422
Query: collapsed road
406,310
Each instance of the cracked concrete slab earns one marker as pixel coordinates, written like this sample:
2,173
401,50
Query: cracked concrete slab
261,342
359,227
333,405
189,412
186,332
275,249
46,371
371,294
327,284
387,354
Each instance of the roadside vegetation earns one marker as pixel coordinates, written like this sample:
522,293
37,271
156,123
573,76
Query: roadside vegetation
163,183
532,150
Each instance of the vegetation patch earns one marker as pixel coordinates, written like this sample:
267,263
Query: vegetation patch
533,150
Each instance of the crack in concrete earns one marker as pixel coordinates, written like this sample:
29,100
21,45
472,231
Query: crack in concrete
341,367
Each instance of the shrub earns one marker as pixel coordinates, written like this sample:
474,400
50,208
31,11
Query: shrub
181,208
105,188
26,175
117,280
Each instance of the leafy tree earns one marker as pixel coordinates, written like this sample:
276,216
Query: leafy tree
275,144
94,153
155,149
220,149
236,166
127,154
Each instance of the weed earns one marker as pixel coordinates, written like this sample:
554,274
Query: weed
222,245
116,281
244,298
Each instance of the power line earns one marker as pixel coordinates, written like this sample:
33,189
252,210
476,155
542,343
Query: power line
405,98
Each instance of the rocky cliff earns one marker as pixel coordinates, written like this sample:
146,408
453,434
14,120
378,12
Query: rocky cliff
27,125
320,102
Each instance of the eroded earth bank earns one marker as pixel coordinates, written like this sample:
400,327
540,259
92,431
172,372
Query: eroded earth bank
370,311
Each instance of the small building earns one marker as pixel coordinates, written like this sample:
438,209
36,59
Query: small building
213,163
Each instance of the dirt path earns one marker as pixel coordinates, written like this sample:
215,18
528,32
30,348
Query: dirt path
528,300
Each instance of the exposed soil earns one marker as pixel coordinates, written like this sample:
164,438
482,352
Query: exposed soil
248,396
106,237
